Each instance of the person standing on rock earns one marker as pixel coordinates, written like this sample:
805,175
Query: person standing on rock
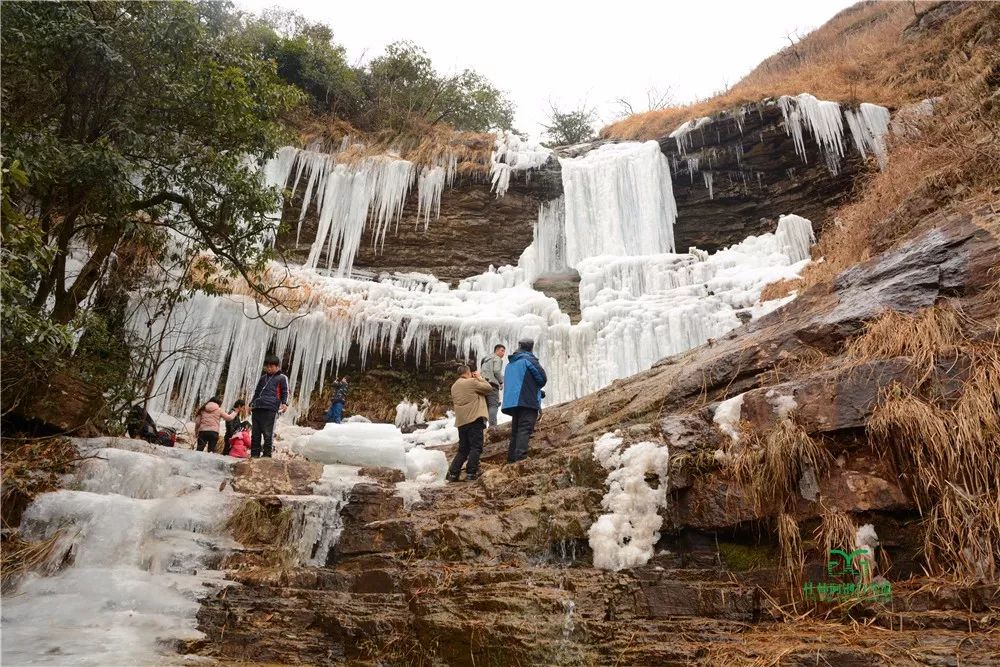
207,423
269,399
336,412
492,371
522,397
468,394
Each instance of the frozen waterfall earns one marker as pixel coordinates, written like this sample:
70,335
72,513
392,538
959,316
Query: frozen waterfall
141,528
139,540
636,310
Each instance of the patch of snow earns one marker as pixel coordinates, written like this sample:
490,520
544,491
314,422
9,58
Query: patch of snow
783,404
727,416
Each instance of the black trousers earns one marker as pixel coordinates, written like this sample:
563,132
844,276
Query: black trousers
263,429
522,425
470,447
208,439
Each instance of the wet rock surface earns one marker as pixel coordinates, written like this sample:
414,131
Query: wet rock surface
498,571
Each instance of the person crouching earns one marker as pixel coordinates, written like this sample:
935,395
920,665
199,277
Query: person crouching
468,394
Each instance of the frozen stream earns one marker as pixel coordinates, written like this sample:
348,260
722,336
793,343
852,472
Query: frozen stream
140,537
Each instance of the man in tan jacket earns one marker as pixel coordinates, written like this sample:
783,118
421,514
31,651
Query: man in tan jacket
469,396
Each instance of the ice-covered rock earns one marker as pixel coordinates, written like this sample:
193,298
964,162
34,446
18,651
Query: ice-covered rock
624,536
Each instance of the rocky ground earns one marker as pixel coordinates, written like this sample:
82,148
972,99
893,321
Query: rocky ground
499,571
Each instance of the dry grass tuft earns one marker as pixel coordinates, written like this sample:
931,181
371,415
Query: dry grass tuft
780,288
422,144
769,467
254,524
793,558
835,531
921,336
945,448
20,557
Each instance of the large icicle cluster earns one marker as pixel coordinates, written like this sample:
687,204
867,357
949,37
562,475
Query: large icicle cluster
625,536
868,128
511,153
355,195
636,310
824,120
640,302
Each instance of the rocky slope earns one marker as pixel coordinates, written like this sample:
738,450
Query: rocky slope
499,571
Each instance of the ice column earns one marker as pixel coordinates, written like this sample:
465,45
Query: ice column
619,201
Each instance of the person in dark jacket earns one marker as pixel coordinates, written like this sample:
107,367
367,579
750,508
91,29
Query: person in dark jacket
336,412
522,397
269,399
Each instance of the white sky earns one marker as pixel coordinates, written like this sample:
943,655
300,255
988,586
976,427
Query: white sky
574,52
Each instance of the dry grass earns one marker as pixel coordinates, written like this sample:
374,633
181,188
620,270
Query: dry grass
769,467
793,558
860,55
780,288
921,336
945,448
422,144
21,556
836,530
253,524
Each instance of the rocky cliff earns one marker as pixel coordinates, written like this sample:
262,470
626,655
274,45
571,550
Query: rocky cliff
499,571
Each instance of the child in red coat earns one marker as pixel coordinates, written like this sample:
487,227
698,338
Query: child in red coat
239,445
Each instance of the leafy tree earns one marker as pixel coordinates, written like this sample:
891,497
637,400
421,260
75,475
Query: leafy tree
128,119
402,86
570,127
307,56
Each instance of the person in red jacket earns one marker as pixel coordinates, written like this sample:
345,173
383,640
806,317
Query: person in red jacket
270,398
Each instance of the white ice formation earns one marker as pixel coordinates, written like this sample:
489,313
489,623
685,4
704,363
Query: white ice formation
411,414
352,195
513,154
139,531
727,416
640,301
625,535
140,527
825,122
375,445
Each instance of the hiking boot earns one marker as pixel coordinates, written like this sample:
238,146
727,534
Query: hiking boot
472,477
451,477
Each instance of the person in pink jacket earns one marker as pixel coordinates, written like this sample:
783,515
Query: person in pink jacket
239,445
207,421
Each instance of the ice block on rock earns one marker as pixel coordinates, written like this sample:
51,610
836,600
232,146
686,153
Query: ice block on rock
357,444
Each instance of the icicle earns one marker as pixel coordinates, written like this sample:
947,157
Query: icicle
868,129
707,177
511,153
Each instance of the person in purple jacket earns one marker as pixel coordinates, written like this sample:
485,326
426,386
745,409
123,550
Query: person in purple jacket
269,399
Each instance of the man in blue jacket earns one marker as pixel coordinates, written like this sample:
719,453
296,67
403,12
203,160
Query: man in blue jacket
269,398
522,397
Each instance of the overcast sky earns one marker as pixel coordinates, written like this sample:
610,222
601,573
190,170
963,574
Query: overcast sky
572,53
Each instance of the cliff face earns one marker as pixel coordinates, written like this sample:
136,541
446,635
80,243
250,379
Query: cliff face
733,177
499,571
748,174
476,229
